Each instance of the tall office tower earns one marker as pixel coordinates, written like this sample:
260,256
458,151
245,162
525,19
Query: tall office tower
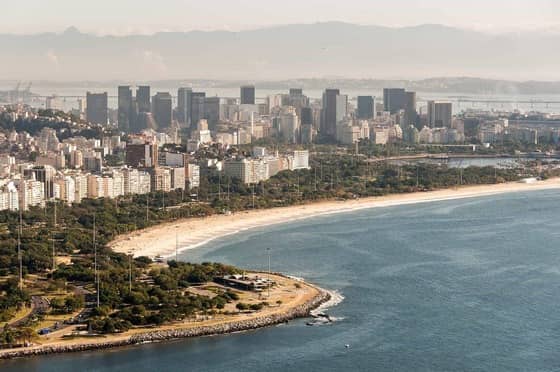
248,95
162,109
184,106
394,99
341,107
289,126
410,113
306,116
366,108
440,114
96,110
143,98
296,92
124,108
297,99
329,114
197,107
212,112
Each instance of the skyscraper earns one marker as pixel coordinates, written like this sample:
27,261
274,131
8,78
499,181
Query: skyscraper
197,107
295,92
297,99
410,113
329,114
366,108
124,108
212,111
163,109
440,114
341,107
143,98
247,95
394,99
184,106
306,116
96,111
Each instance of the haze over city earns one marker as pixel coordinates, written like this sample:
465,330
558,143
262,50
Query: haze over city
253,40
146,17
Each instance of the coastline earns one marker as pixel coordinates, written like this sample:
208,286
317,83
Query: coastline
191,233
172,332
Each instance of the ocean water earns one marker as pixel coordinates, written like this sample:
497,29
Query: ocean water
463,285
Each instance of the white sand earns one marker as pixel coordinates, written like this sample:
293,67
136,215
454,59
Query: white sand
194,232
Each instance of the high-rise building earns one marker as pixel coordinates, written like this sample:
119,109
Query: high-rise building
31,194
289,126
341,107
394,99
247,171
329,114
197,107
366,108
160,179
306,116
142,155
143,98
440,114
296,92
192,175
162,109
397,99
410,113
177,178
125,109
212,112
184,106
248,95
97,110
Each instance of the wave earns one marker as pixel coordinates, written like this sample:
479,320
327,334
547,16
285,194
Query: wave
335,299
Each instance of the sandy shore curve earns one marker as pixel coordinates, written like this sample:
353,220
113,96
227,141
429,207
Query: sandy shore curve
191,233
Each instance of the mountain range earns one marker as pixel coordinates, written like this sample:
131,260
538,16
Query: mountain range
322,50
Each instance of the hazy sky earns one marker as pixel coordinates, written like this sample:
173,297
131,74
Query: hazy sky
148,16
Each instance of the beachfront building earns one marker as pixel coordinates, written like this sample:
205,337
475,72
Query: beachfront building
247,170
192,175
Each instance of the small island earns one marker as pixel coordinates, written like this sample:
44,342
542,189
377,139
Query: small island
154,302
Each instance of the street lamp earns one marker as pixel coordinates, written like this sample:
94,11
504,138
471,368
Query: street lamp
269,273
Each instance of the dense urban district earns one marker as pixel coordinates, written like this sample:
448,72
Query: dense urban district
71,182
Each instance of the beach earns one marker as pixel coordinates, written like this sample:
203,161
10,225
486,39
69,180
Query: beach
165,239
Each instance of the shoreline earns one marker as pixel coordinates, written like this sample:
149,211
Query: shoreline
192,233
161,334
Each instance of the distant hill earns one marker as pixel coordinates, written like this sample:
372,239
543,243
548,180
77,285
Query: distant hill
321,50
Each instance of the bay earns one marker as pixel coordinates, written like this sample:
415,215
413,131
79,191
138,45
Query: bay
470,284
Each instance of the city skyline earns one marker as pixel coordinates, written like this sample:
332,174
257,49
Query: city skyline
133,17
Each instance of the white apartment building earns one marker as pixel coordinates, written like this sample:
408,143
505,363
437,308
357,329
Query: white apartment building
31,194
247,170
300,160
177,178
192,175
9,197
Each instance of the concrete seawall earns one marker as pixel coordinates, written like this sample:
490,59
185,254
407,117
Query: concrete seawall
300,311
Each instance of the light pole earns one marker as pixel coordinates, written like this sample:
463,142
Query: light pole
147,207
20,258
130,272
269,273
